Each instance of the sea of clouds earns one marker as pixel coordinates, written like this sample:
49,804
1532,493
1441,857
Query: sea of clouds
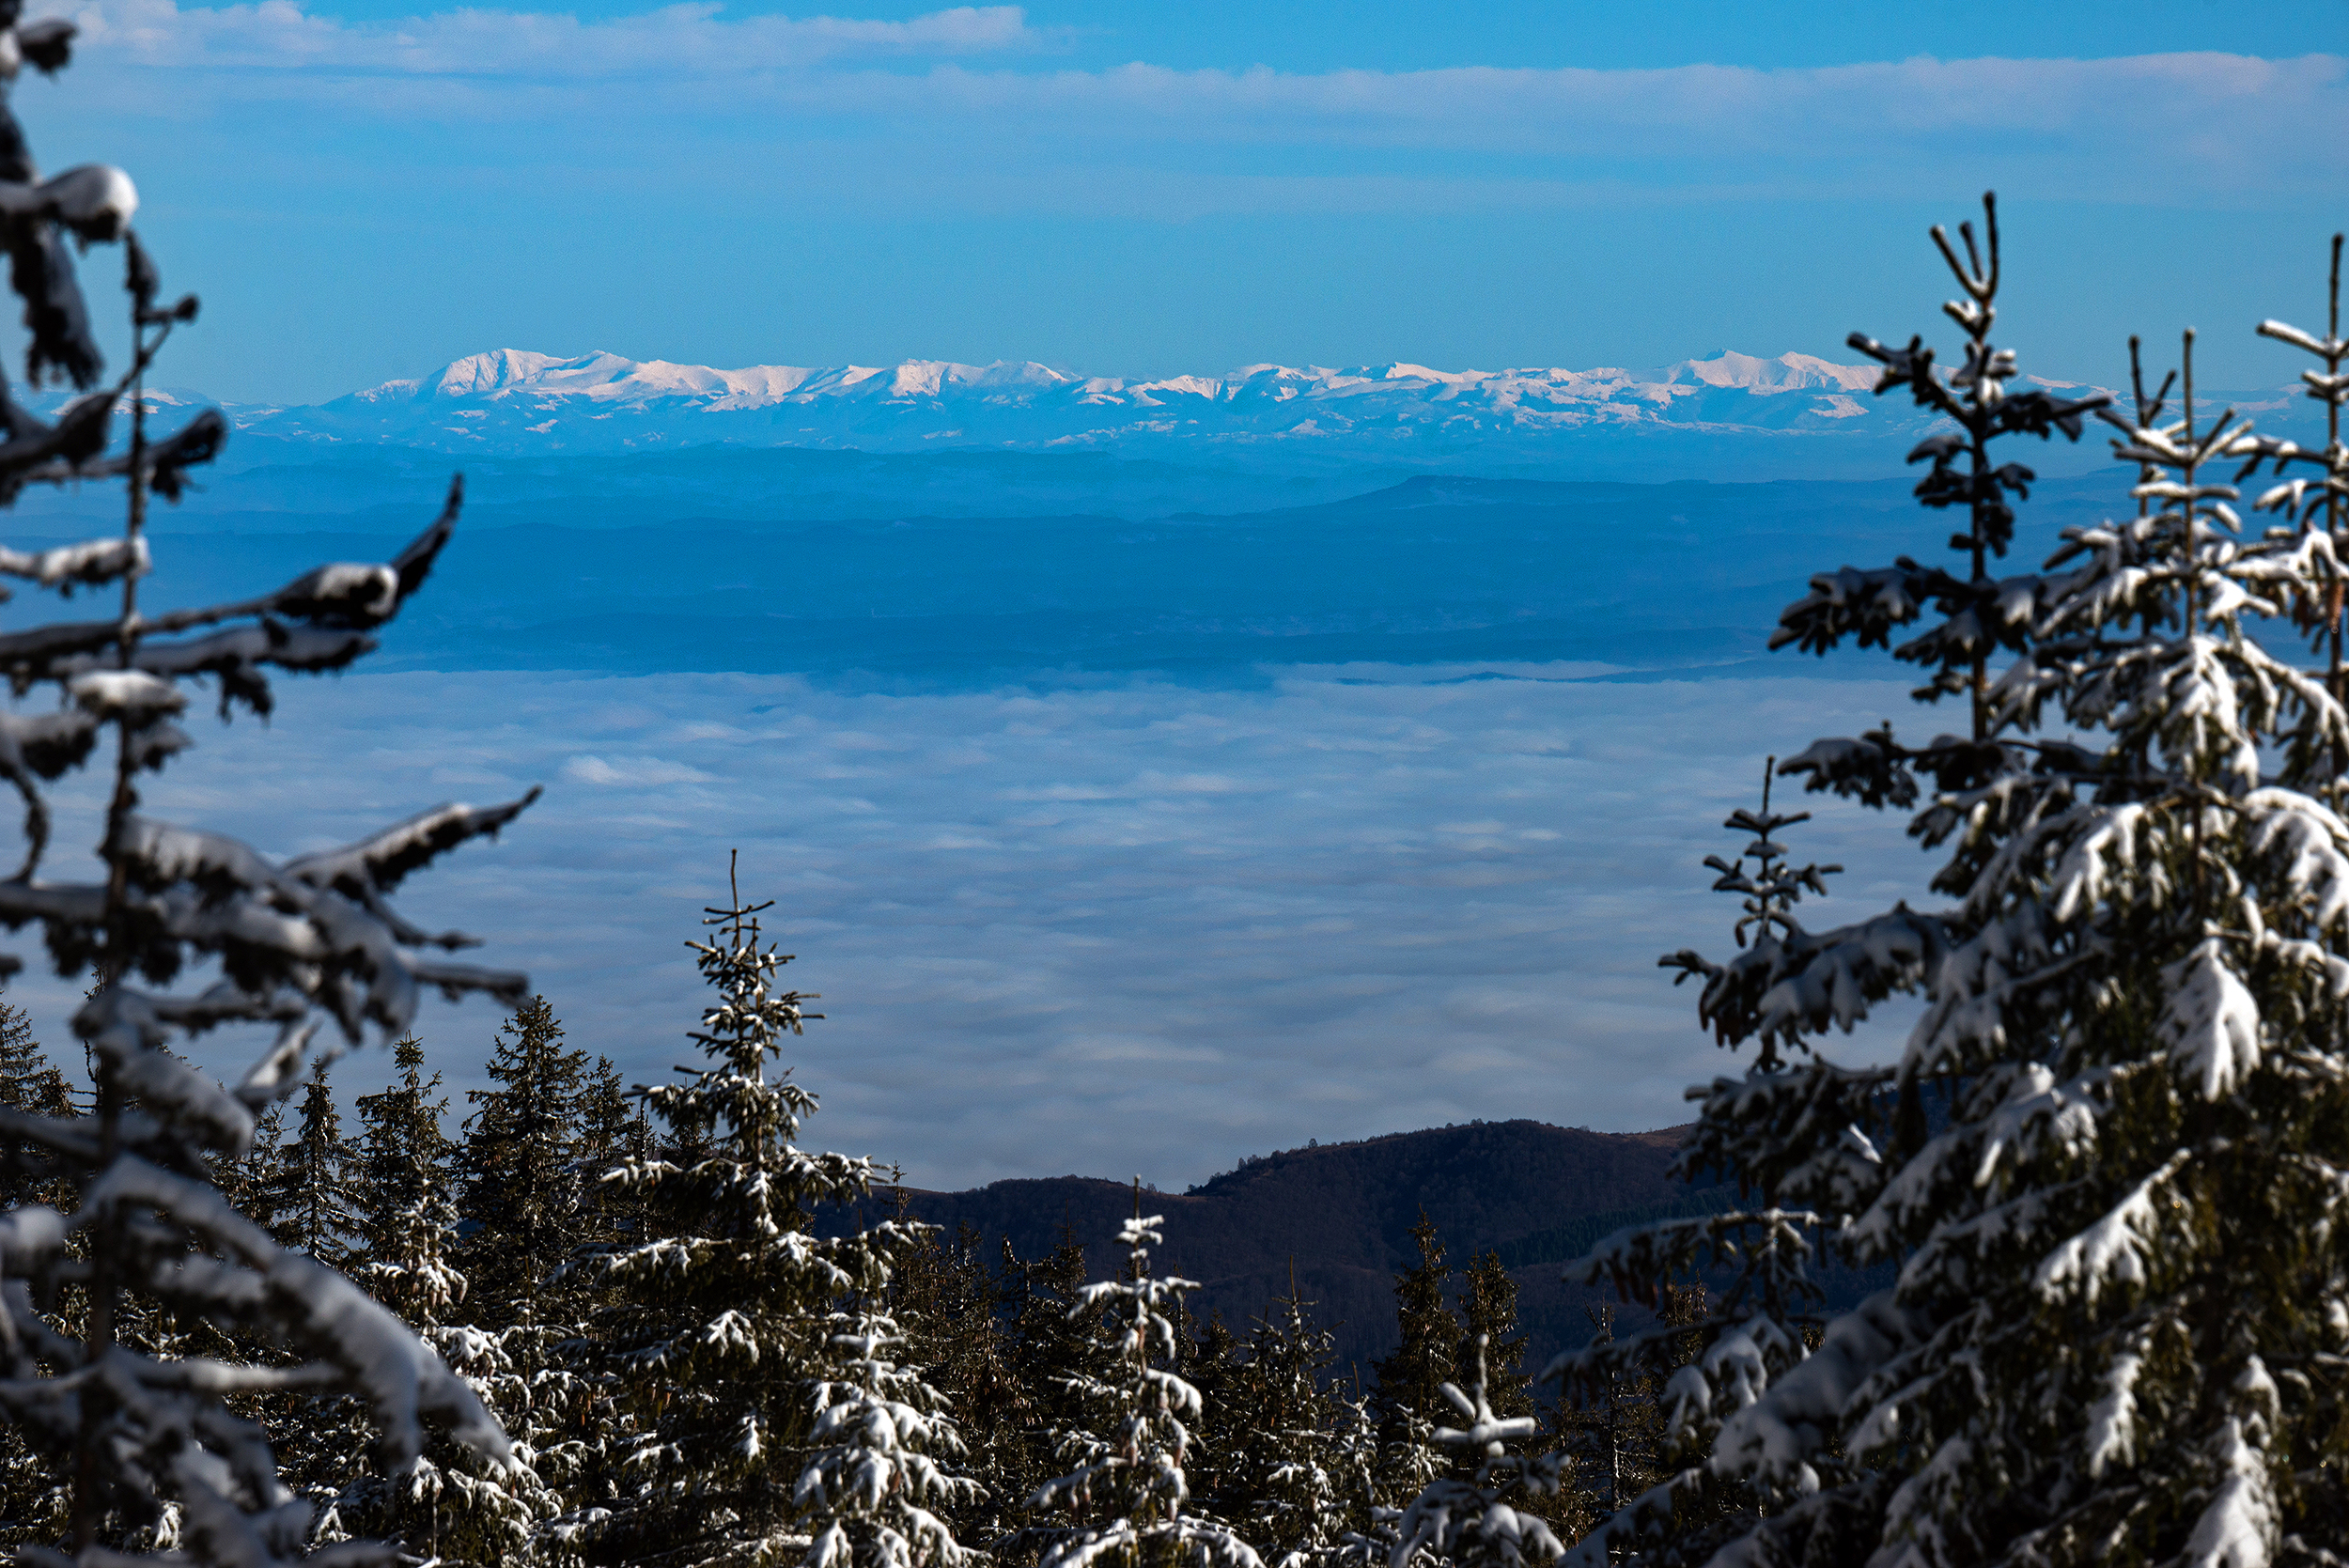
1139,929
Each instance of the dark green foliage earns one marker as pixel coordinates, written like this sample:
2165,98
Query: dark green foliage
729,1319
32,1503
520,1162
406,1171
252,1184
1049,1336
1488,1301
612,1131
28,1080
405,1154
28,1083
955,1316
1213,1359
1565,1242
1424,1361
312,1199
1612,1423
1287,1487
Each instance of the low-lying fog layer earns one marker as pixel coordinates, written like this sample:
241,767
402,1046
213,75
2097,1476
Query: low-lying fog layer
1142,929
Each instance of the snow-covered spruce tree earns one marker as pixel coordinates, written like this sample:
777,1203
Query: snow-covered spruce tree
1293,1475
148,1443
1352,1464
520,1337
1980,613
2321,498
1489,1303
1478,1517
446,1503
316,1199
1125,1497
872,1480
771,1423
27,1083
2119,1323
523,1189
1411,1377
405,1175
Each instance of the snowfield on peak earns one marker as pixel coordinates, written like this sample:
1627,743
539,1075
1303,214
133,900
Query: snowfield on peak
515,402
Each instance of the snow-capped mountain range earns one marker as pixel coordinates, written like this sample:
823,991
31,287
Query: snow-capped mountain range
511,402
1727,416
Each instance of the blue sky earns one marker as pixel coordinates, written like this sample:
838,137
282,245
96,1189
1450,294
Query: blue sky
367,190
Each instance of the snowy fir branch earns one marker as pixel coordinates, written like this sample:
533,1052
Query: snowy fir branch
2103,1170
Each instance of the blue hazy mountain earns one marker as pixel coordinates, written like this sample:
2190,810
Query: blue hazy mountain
1202,528
1434,569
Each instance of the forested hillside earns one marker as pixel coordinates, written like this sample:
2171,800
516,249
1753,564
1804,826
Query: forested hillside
1343,1214
521,1231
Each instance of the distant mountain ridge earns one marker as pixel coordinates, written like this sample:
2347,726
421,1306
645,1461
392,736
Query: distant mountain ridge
1728,417
737,559
512,401
1340,1214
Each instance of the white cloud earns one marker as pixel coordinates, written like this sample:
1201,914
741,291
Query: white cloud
684,39
641,773
890,114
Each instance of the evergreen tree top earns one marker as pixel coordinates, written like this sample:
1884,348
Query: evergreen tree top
1410,1376
1473,1518
760,1364
1981,615
29,1079
756,1118
1128,1492
314,1198
1490,1307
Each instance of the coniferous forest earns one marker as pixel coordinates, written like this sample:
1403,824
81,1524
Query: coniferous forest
570,1319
